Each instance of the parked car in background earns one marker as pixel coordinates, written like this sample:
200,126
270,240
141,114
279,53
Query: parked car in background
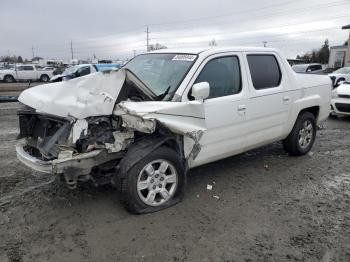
341,100
340,75
52,68
308,68
59,70
25,73
144,126
82,70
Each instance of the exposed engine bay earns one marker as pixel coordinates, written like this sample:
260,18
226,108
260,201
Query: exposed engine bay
82,147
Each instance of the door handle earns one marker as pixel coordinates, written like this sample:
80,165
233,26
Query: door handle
241,108
286,99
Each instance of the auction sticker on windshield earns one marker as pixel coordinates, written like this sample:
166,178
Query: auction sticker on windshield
184,58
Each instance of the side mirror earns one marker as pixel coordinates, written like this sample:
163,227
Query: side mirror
200,91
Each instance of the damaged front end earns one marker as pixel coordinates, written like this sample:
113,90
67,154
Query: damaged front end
90,128
73,148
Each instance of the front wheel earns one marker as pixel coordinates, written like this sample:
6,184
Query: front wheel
302,137
154,183
9,79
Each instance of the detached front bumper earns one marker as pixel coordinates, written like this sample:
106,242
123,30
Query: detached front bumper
32,162
83,162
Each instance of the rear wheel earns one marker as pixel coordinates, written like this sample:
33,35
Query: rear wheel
303,135
44,78
154,183
9,79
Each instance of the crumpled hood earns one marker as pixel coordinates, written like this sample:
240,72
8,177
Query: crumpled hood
90,95
343,89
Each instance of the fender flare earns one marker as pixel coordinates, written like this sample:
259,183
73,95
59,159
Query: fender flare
139,150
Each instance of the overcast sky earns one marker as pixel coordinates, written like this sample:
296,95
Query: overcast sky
113,29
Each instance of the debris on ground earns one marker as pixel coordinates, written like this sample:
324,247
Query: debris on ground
209,187
217,197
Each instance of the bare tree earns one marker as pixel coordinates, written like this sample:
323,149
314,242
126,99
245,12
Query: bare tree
156,46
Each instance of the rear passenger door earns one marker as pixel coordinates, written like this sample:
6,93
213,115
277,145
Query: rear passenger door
224,108
269,99
25,72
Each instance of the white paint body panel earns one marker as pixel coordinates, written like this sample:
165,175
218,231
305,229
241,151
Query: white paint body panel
90,95
25,74
269,115
343,90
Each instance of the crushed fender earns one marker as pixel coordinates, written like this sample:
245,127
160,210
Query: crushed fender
184,118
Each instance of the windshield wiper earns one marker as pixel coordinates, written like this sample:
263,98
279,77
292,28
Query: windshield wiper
161,96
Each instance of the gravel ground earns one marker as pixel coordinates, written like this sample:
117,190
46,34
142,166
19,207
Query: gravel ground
269,207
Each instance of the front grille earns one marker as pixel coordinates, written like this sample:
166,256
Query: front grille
344,96
343,107
34,125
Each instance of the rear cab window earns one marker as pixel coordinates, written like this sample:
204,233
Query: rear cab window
265,71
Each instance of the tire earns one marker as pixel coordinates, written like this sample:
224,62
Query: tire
44,78
9,79
141,182
302,137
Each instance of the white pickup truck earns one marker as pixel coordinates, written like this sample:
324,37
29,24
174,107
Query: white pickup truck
144,126
25,73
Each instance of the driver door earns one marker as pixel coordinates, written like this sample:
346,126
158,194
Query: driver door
225,108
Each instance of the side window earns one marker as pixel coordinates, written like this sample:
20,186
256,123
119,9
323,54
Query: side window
265,71
20,68
28,68
83,71
317,67
223,75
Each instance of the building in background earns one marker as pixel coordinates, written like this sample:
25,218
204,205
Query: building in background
347,55
337,56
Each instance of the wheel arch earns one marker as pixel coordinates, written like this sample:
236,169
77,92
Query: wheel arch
44,74
307,104
10,76
315,110
145,146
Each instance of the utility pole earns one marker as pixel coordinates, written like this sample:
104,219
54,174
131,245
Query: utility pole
134,52
71,48
33,51
265,43
147,39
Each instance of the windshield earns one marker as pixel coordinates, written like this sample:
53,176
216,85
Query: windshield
70,70
344,70
299,68
161,73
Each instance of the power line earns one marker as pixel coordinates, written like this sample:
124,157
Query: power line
222,15
261,29
239,13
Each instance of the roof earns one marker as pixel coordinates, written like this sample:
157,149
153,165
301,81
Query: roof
338,47
213,50
306,65
346,27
